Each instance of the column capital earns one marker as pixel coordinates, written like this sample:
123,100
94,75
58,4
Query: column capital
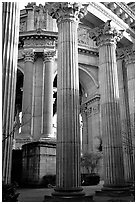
28,55
66,10
105,34
127,53
49,55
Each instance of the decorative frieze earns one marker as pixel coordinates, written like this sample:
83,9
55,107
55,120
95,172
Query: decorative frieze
35,42
92,106
105,34
83,38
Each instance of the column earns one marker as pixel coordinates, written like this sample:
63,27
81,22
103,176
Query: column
68,127
37,93
10,32
27,93
48,94
129,54
106,38
125,128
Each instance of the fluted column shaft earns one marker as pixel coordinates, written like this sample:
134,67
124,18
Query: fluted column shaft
48,94
10,28
130,64
27,92
106,38
126,133
68,127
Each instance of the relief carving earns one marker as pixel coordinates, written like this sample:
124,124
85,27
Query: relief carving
38,43
84,39
23,26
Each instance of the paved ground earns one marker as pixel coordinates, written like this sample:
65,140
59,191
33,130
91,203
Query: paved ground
37,195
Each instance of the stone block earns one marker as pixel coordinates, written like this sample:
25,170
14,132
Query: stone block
39,160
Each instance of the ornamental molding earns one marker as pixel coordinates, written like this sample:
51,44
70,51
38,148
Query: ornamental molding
91,107
105,34
122,10
66,10
28,55
35,42
49,55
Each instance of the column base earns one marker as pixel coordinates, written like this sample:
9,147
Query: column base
115,194
68,195
68,192
47,137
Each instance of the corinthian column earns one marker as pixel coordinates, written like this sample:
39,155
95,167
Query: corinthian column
106,38
27,93
68,127
10,32
48,94
124,112
129,54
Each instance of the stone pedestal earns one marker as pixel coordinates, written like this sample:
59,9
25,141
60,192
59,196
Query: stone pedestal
106,38
68,127
10,32
38,160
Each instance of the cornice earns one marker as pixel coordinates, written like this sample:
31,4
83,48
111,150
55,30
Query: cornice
118,21
93,52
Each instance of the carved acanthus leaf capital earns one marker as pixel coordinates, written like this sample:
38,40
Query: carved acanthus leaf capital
66,10
28,55
127,53
49,55
105,34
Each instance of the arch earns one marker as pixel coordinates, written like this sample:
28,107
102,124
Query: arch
87,81
20,68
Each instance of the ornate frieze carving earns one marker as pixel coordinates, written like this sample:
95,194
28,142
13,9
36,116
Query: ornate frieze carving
91,107
37,42
49,55
105,34
83,38
28,55
92,110
65,10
